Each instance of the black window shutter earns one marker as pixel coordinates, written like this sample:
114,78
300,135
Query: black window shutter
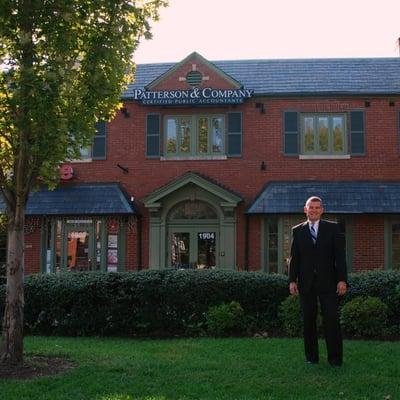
234,140
100,142
357,132
153,135
291,133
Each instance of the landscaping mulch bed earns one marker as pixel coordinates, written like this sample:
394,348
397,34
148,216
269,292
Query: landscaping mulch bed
35,366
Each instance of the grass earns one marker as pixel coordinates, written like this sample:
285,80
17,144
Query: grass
131,369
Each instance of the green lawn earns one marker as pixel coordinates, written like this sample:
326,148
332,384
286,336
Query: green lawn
131,369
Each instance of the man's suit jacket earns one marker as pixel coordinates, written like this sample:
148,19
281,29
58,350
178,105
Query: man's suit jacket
323,263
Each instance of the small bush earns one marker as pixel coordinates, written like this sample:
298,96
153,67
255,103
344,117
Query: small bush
225,319
381,284
291,317
364,316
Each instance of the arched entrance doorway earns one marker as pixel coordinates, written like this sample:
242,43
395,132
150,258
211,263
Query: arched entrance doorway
192,224
193,235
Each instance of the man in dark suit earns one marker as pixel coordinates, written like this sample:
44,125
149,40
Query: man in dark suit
317,271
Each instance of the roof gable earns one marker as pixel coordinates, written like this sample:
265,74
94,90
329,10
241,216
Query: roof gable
227,197
176,76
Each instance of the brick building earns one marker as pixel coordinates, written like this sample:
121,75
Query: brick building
208,164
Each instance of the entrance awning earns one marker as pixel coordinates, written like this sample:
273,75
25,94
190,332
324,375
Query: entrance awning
85,199
352,197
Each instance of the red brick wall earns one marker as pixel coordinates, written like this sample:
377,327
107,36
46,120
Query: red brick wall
255,227
32,249
262,141
368,243
131,257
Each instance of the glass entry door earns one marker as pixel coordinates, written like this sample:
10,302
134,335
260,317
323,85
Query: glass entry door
79,252
192,248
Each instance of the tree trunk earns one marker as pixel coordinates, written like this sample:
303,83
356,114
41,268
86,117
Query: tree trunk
12,345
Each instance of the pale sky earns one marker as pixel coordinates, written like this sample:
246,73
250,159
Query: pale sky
270,29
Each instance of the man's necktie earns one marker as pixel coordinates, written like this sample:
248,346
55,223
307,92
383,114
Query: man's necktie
313,233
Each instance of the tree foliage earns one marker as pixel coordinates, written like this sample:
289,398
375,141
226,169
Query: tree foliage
63,66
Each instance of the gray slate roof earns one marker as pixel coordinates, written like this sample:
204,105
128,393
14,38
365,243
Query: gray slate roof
353,197
86,199
355,76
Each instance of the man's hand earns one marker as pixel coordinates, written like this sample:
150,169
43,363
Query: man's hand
341,288
293,288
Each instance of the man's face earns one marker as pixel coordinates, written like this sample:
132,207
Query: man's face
313,210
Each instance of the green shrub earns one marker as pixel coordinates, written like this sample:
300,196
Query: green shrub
225,319
364,316
291,317
170,302
161,303
378,283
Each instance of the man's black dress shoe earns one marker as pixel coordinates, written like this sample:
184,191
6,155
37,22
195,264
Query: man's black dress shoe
312,361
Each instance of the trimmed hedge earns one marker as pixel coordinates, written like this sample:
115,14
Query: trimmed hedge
166,302
358,319
170,302
382,284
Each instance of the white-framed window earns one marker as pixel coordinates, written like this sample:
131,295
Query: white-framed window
97,150
194,135
86,153
323,134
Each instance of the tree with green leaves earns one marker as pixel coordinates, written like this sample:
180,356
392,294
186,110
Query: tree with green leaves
63,66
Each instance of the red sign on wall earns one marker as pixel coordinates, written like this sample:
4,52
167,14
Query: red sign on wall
66,172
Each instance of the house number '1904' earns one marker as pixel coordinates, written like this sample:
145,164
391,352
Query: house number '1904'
206,235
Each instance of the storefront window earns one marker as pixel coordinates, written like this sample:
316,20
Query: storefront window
278,234
272,246
112,253
98,246
78,256
78,245
58,247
